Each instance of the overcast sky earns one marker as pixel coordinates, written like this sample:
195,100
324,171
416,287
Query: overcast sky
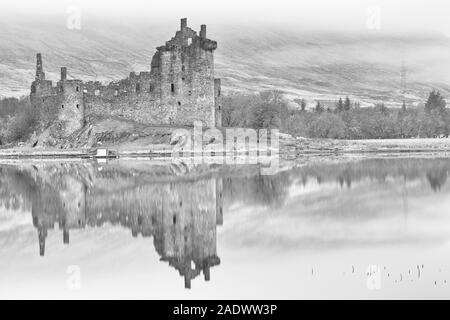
395,15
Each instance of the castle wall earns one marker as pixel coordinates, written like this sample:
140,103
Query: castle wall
71,106
48,107
178,90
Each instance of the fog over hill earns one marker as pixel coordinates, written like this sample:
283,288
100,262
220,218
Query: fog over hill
310,64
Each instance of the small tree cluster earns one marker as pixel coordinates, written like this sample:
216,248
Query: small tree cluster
17,121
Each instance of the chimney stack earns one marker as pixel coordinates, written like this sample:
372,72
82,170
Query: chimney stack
203,31
40,75
63,73
183,23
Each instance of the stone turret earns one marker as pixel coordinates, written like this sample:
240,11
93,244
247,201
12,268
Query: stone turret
40,86
63,73
183,23
184,67
40,74
203,31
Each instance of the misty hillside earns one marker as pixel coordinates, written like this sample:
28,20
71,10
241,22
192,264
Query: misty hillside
303,64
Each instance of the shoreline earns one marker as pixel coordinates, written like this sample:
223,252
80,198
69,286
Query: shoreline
289,149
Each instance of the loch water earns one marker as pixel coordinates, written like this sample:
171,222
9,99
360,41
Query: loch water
371,228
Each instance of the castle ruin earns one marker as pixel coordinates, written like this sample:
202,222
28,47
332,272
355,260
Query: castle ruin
179,89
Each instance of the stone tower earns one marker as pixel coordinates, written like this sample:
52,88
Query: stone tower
71,103
63,104
40,86
184,68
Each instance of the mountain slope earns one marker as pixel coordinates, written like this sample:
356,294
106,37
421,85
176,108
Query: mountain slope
303,64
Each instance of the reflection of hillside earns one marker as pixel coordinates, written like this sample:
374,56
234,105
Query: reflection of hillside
181,217
435,170
273,190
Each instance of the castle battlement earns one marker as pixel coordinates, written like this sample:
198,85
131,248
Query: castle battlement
179,89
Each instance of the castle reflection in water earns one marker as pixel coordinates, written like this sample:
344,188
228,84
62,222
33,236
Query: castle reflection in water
181,207
181,217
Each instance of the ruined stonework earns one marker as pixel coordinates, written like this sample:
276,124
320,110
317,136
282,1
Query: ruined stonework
63,104
179,89
181,217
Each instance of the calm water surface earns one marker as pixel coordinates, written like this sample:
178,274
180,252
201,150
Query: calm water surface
368,228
